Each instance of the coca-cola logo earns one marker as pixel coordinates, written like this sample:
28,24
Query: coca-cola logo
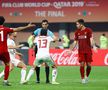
64,58
106,59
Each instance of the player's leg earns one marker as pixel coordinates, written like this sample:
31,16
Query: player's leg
49,61
6,60
37,69
54,74
31,72
82,71
47,73
23,72
82,66
88,64
11,68
88,70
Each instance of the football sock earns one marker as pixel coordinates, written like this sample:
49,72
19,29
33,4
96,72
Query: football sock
37,69
54,74
82,71
88,70
30,74
6,72
47,73
23,74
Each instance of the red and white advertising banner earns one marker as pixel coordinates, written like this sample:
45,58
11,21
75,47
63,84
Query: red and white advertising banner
54,10
62,58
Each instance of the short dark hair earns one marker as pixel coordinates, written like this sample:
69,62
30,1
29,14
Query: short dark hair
43,32
103,34
44,21
2,20
81,21
10,33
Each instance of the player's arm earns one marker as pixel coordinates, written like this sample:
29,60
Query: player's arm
74,44
93,44
15,47
56,39
17,53
23,28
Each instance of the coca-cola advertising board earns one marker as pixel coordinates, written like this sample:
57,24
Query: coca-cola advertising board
62,58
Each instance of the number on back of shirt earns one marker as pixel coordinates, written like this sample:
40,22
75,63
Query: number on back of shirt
1,36
42,43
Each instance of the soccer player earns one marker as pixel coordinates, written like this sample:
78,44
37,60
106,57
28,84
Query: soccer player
13,61
84,39
4,55
43,56
45,25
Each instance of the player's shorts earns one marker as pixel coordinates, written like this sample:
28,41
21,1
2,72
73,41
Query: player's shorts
15,61
85,57
5,57
47,60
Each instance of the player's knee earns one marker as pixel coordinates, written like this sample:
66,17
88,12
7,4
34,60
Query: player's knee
24,67
7,64
54,66
89,66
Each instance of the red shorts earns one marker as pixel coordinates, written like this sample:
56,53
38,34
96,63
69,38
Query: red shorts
5,57
85,57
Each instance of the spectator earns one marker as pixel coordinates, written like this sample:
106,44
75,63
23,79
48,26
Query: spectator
103,41
66,41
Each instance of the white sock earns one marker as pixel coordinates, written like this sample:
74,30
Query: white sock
23,74
54,74
2,74
5,81
31,72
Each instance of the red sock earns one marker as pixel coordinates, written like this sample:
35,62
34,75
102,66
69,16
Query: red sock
82,71
6,72
88,70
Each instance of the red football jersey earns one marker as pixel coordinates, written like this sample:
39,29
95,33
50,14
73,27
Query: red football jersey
4,31
83,38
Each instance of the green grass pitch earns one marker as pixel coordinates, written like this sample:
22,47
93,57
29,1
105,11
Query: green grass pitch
68,76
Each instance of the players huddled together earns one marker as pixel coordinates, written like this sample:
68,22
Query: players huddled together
42,37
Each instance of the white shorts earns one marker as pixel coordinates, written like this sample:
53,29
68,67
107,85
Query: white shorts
13,60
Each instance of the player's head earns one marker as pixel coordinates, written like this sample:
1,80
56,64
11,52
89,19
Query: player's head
44,24
103,34
12,35
2,20
43,32
79,23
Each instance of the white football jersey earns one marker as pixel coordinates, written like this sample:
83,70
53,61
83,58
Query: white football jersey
43,45
11,42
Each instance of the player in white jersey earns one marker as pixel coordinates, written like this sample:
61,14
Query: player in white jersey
13,61
43,56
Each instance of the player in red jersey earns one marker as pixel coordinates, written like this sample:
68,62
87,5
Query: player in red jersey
4,55
84,39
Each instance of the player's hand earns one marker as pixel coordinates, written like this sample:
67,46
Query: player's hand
21,45
31,25
95,49
20,54
69,52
